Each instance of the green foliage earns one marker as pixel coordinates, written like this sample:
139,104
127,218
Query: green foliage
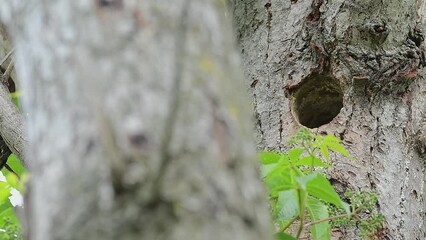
15,98
317,211
363,201
367,217
372,225
16,165
301,196
10,227
283,236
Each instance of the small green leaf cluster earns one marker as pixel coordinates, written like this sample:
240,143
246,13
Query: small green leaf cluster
363,201
372,225
368,219
10,228
300,195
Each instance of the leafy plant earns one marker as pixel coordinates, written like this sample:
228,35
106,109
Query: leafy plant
10,228
15,174
367,217
300,195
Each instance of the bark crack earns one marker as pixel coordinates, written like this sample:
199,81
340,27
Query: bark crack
258,118
268,6
315,13
374,143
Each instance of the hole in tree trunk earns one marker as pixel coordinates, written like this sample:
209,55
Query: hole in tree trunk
318,100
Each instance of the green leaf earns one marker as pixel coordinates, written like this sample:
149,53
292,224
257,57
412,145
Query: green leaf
333,143
303,180
287,206
269,157
294,154
16,165
318,186
311,161
346,207
12,180
4,191
283,236
318,211
266,169
4,206
15,98
8,213
319,141
324,152
332,139
280,179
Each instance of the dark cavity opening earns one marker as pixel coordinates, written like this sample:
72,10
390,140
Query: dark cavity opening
318,100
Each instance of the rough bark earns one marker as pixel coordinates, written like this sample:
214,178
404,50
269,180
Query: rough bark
12,134
11,125
138,124
306,59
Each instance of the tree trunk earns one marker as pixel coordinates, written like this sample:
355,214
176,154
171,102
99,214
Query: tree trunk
137,120
353,69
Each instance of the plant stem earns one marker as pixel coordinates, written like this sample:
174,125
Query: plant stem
302,197
289,224
329,218
310,153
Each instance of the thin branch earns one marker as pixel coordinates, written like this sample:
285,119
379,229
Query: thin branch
6,57
11,122
289,224
8,69
328,219
302,215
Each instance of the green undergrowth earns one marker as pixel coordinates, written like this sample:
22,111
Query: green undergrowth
303,201
16,175
10,227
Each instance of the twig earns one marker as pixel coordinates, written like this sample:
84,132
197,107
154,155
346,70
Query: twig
289,224
8,69
302,198
329,218
7,56
11,119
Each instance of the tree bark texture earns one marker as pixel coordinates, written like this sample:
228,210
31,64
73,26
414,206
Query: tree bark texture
138,122
354,69
12,134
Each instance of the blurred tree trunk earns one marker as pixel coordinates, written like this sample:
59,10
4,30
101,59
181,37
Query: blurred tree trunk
138,123
354,69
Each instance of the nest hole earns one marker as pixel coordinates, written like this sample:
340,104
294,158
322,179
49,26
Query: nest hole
318,100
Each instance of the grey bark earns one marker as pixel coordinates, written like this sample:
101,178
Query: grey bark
138,122
304,58
12,132
11,125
